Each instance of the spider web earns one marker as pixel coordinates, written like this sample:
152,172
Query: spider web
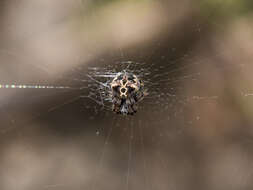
139,136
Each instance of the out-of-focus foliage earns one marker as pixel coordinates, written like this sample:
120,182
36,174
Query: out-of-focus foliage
224,9
91,6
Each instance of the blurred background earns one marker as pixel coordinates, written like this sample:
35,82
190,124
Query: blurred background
199,137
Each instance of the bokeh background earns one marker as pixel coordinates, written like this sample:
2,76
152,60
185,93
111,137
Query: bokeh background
199,138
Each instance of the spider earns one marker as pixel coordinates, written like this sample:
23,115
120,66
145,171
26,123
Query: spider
126,91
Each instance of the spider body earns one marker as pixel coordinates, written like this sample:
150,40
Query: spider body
126,90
